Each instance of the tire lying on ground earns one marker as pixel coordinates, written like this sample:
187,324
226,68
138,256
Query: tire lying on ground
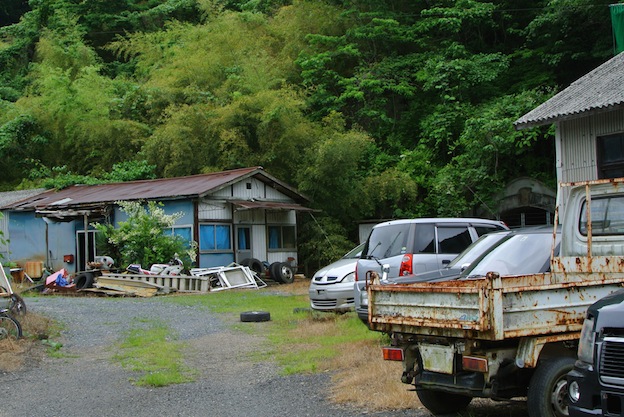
84,280
255,316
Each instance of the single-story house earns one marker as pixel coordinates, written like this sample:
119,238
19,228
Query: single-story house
232,215
589,120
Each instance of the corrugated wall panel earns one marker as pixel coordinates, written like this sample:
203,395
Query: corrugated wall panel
256,189
259,243
281,217
578,143
214,210
249,217
4,236
281,256
578,150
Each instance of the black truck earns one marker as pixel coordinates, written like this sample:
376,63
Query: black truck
596,384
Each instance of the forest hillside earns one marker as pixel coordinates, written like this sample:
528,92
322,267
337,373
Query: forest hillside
374,109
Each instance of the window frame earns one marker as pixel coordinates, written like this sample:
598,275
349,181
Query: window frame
281,247
215,225
606,222
617,165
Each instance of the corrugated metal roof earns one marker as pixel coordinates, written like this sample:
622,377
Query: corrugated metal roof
600,90
159,189
11,197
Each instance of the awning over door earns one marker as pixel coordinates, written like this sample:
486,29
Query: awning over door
268,205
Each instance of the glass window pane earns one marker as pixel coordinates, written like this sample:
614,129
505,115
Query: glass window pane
223,237
607,216
388,241
274,237
206,237
424,240
244,241
453,239
288,234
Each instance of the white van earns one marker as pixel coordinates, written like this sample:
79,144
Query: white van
414,246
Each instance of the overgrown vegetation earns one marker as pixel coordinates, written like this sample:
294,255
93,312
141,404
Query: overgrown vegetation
140,238
375,109
302,341
152,351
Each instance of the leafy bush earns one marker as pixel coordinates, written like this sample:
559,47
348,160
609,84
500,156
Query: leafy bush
140,239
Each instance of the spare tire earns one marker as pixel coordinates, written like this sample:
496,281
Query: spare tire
84,280
253,264
285,274
255,316
274,271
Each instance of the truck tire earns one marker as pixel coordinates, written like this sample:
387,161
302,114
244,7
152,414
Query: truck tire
253,264
255,316
548,388
84,280
284,273
439,402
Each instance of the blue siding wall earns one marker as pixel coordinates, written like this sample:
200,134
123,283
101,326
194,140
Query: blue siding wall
209,260
27,235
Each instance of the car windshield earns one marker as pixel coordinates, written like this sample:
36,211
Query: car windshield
355,252
521,254
476,249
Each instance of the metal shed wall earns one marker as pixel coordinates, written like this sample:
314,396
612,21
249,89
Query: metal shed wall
576,144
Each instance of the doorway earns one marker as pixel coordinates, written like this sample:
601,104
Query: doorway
243,243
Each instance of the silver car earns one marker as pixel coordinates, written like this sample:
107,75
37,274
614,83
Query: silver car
415,246
331,288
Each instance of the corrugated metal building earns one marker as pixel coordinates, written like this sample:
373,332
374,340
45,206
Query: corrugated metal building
232,215
589,120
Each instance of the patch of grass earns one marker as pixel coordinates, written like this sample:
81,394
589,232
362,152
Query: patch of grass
301,340
155,354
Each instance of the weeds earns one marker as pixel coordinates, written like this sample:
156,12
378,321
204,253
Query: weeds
155,354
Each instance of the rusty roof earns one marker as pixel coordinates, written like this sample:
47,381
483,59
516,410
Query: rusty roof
159,189
600,90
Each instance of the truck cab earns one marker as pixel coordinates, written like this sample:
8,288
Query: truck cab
596,384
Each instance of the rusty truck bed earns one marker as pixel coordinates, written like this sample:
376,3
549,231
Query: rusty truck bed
494,307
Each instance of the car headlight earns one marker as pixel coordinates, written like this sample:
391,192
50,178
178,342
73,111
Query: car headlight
350,277
586,342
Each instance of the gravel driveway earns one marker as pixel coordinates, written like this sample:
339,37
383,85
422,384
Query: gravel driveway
86,382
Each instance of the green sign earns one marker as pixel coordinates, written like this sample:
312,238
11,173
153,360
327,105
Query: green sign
617,22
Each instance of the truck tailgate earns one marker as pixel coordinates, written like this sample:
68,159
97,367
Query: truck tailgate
491,308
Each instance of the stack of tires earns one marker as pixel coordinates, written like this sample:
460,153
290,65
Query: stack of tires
281,272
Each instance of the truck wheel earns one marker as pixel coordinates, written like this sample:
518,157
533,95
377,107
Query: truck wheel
84,280
285,273
439,402
548,388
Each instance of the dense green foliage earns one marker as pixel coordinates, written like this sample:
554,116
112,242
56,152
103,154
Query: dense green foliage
140,237
375,109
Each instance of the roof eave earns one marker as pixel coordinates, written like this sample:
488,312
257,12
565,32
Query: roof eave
530,123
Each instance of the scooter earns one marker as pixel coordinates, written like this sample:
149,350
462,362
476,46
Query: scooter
174,267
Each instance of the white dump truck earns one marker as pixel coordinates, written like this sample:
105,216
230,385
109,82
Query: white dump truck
505,337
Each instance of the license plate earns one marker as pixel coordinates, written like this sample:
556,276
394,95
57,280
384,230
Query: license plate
437,358
319,292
